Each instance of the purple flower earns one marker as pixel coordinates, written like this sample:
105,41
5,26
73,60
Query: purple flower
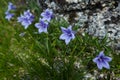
29,15
47,15
102,61
26,19
21,18
8,15
42,26
11,6
67,35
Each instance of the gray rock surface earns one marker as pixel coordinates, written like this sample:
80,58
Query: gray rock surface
97,17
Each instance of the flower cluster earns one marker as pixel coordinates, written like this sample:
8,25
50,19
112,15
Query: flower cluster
26,19
42,25
7,13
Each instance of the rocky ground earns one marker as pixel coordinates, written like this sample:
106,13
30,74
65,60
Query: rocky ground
96,17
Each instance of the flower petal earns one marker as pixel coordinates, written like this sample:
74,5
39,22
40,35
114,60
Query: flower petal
48,19
73,36
63,29
70,27
95,60
27,13
63,36
67,40
42,14
101,53
105,64
99,64
40,30
45,30
107,58
37,25
25,24
21,18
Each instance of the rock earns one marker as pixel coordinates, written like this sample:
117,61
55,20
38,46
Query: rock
96,17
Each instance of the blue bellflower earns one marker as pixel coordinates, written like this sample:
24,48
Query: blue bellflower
8,15
67,35
47,15
102,61
42,26
11,6
26,19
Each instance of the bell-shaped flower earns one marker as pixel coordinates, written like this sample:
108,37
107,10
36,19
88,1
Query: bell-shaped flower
26,19
47,15
42,26
67,34
102,61
8,15
11,6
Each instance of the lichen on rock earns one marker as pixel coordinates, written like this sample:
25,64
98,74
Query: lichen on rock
97,17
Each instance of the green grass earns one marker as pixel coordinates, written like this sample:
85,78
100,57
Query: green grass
44,56
9,63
